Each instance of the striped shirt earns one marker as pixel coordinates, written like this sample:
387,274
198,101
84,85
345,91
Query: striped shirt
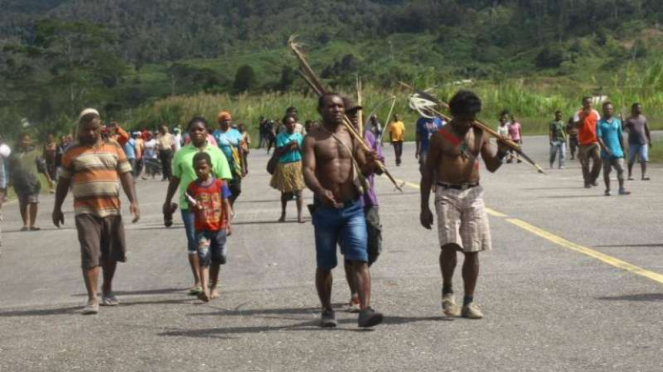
94,171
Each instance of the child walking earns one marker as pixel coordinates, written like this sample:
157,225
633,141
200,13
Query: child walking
208,198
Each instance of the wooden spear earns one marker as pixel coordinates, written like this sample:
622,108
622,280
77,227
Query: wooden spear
311,78
360,116
510,144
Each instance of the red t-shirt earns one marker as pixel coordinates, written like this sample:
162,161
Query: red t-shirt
210,216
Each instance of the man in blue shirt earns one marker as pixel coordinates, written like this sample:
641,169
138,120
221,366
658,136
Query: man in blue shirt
609,134
426,127
229,141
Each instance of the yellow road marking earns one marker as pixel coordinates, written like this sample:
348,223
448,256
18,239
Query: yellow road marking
612,261
588,251
495,213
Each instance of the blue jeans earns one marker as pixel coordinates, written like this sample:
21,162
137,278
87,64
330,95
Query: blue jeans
211,247
346,226
190,228
555,147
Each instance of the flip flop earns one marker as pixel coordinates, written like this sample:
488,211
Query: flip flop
90,309
25,228
195,291
109,300
35,228
645,178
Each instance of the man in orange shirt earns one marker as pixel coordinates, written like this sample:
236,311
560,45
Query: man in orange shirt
585,121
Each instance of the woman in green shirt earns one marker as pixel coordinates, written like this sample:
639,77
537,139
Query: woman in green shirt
183,175
25,163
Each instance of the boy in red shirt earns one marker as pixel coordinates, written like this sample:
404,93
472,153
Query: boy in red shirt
208,198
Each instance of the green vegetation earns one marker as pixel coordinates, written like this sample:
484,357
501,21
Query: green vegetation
144,63
656,152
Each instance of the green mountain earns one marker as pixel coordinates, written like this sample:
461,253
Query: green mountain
59,55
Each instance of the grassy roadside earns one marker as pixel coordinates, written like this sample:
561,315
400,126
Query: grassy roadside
656,152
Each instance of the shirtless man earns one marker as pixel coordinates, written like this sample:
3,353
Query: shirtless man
462,221
338,215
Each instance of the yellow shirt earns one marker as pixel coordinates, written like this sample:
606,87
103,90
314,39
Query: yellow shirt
397,131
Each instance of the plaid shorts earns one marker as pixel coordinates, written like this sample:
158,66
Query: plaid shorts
462,219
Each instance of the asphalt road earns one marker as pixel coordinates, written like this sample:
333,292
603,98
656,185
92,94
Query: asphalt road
574,283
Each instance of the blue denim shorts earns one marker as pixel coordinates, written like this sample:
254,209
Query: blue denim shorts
188,218
346,226
211,246
635,149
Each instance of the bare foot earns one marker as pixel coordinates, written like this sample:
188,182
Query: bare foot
214,294
282,219
204,296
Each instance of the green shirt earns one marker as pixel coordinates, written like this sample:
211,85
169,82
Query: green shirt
183,167
24,166
558,131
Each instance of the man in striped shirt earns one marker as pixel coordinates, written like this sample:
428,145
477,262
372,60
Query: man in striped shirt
92,168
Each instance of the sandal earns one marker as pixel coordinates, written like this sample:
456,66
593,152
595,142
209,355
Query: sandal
35,228
25,228
90,309
109,299
195,291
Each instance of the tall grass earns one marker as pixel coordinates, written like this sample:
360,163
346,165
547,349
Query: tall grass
533,101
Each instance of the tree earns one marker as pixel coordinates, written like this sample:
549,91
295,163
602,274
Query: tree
245,79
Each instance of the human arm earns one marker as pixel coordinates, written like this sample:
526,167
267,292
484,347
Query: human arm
172,189
310,179
60,195
648,134
427,177
227,211
129,188
492,158
599,135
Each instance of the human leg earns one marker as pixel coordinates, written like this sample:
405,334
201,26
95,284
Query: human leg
349,277
89,229
192,247
470,274
204,255
596,166
553,153
583,157
562,154
607,168
619,167
284,203
300,205
218,247
323,284
33,208
644,158
23,207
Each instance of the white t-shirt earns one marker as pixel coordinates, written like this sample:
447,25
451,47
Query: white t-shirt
503,130
150,149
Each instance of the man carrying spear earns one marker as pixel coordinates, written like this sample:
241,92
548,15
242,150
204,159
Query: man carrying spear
453,163
334,169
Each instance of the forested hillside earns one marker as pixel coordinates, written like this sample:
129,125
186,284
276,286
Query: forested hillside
60,55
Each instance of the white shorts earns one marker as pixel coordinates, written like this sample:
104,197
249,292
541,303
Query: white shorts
462,219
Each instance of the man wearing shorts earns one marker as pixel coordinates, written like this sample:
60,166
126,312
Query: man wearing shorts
453,163
334,165
92,169
639,140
